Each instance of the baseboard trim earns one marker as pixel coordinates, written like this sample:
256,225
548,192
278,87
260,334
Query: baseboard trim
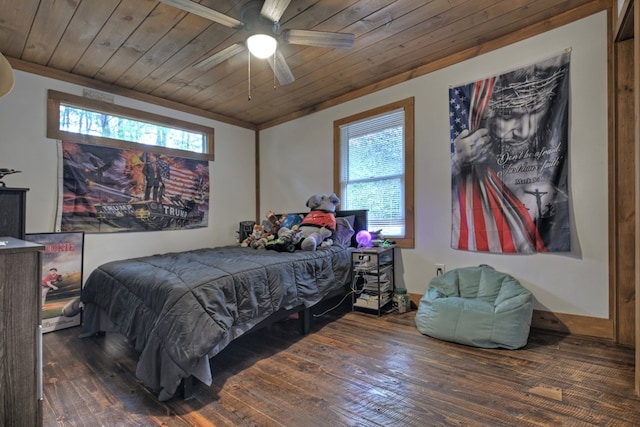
561,322
573,324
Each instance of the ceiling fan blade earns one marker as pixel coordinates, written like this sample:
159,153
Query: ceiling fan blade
319,38
273,9
281,68
205,12
217,58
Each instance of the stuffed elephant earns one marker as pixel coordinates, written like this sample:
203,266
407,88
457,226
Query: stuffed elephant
320,223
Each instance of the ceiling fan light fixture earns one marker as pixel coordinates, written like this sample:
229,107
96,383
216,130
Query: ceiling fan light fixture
6,76
261,45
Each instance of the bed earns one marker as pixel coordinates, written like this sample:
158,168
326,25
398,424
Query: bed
181,309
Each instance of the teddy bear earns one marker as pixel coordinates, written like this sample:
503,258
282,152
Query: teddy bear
257,239
273,223
320,223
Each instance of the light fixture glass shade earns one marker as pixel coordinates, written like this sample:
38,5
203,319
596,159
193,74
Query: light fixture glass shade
261,45
6,76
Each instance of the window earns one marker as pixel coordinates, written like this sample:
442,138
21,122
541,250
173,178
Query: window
373,158
90,121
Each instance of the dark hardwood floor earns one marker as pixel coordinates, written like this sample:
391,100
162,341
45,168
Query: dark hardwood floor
353,369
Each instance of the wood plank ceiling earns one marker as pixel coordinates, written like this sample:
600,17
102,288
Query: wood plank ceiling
146,49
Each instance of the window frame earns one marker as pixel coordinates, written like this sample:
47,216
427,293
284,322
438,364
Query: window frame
408,105
55,99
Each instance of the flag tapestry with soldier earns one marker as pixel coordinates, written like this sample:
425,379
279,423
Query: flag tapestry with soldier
106,189
509,157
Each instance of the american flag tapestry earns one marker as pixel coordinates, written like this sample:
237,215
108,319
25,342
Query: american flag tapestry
104,189
509,157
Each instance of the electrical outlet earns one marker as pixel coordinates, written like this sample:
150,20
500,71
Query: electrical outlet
440,269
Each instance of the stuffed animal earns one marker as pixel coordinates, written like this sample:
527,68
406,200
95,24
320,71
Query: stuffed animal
251,237
286,241
320,223
273,223
257,239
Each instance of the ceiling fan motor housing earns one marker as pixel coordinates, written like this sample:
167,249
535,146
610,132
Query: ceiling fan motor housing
254,22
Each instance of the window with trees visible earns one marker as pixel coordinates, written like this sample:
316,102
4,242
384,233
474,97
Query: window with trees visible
373,158
80,119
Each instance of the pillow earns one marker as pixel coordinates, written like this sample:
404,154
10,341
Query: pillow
351,219
291,220
343,233
352,222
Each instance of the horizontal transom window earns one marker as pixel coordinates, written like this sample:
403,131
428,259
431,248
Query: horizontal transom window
91,121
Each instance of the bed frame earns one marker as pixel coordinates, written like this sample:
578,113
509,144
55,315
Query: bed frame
120,274
185,389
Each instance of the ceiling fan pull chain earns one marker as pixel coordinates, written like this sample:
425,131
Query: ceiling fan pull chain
249,72
274,68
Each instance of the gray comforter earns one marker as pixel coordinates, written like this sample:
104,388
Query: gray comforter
180,309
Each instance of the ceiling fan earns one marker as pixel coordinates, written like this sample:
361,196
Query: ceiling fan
260,18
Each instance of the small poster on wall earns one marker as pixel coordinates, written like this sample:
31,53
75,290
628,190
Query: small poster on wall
61,278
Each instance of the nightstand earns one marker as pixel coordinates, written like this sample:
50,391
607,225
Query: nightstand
372,278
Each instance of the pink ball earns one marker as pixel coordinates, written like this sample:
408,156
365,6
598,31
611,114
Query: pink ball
363,238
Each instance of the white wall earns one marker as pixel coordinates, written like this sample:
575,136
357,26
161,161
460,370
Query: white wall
296,161
25,147
297,158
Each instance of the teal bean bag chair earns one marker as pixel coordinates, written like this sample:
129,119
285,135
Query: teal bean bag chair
476,306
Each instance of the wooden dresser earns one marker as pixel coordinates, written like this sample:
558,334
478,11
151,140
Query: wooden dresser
13,204
21,336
